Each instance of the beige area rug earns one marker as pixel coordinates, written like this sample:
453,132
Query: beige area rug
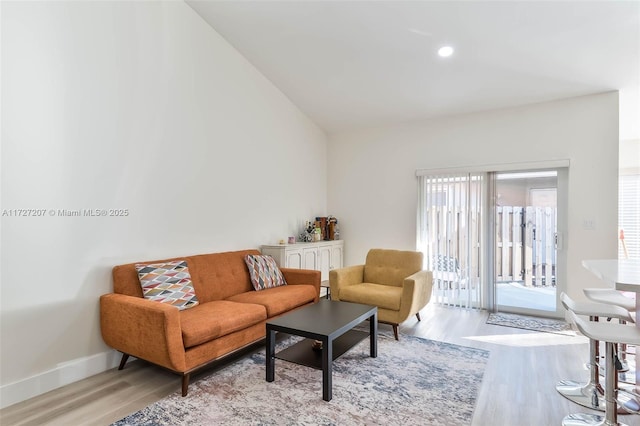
413,381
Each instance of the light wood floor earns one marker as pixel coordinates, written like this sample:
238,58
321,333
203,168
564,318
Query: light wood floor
518,386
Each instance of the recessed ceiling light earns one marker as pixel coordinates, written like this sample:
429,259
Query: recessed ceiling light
445,51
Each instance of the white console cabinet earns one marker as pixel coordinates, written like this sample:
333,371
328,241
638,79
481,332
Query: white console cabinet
321,256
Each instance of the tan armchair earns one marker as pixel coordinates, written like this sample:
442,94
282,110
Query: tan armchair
392,280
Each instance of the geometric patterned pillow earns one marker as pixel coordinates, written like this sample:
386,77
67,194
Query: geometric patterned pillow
168,283
264,272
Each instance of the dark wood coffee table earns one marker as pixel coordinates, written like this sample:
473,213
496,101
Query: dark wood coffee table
329,322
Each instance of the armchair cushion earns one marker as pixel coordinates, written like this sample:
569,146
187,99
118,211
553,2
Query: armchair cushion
380,295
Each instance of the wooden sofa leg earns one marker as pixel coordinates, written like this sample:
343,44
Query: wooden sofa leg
395,331
185,384
123,361
418,316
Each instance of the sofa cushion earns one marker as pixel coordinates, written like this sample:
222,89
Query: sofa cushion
264,272
278,300
382,296
210,320
168,282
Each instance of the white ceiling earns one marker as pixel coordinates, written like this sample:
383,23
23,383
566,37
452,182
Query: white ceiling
355,64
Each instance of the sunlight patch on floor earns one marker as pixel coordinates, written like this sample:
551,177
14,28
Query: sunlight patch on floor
530,339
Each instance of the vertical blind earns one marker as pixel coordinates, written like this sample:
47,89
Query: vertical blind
449,235
629,217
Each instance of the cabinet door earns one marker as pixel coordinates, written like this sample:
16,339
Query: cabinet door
324,261
336,257
294,259
310,258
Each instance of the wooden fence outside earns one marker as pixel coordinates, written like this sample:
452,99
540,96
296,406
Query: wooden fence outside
526,245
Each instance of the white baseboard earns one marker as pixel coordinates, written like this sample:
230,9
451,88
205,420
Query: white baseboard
62,375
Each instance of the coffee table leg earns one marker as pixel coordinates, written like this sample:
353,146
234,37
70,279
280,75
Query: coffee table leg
270,357
373,335
327,364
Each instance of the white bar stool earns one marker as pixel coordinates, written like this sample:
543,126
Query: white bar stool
590,394
615,297
611,334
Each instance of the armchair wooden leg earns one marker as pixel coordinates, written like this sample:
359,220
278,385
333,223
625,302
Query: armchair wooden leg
185,384
418,316
395,331
123,361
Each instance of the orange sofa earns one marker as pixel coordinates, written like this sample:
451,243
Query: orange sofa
230,315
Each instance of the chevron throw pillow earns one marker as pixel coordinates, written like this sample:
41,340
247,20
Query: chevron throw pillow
168,282
264,272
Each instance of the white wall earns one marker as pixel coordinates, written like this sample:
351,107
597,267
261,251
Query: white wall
373,188
138,106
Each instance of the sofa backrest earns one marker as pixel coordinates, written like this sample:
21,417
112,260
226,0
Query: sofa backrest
215,276
391,267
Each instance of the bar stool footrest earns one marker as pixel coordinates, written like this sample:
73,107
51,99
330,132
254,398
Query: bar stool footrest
584,419
584,394
628,401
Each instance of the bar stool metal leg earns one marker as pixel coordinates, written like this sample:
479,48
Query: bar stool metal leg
614,297
611,407
590,394
611,334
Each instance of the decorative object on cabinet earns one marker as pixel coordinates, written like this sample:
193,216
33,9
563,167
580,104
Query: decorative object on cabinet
321,256
323,228
332,229
321,224
328,228
307,234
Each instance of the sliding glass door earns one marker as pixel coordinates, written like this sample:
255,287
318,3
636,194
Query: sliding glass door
450,233
493,238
